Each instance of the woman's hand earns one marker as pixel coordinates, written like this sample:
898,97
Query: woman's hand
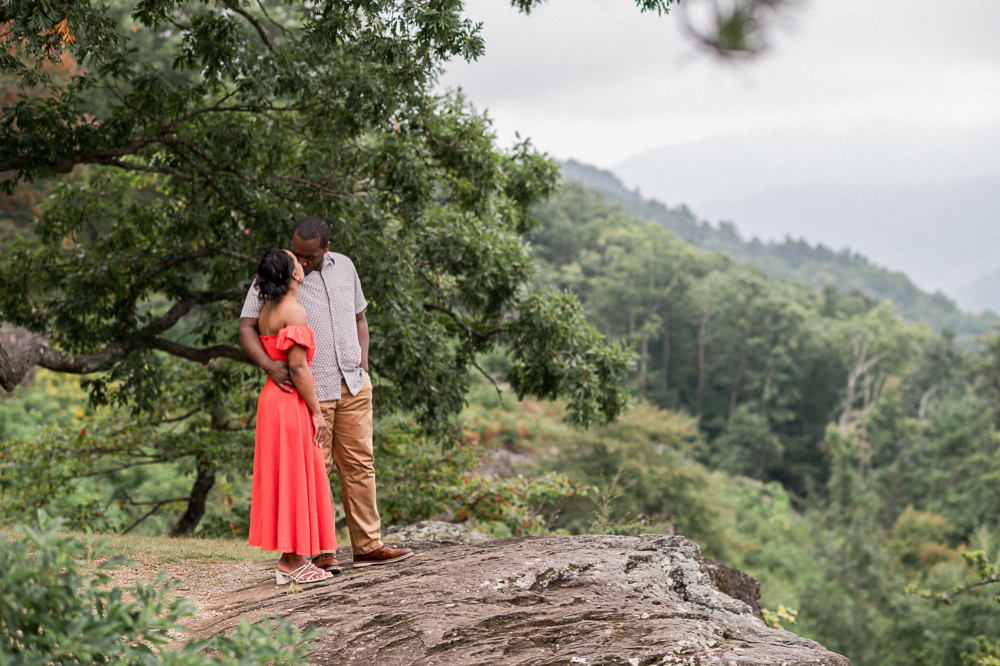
319,425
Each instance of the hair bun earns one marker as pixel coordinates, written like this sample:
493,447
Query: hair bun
274,274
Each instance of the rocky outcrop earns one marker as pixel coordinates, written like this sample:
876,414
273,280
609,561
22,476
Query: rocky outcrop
606,600
737,584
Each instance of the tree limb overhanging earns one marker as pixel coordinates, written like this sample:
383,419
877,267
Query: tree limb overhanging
16,364
14,368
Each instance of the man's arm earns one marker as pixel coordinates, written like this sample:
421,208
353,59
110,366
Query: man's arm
362,339
276,370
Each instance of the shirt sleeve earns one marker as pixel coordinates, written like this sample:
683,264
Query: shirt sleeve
359,296
252,305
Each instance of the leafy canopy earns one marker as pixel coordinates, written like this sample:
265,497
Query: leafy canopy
203,148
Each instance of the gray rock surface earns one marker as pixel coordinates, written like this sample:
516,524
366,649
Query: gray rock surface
597,600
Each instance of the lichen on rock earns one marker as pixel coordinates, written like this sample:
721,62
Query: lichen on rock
684,570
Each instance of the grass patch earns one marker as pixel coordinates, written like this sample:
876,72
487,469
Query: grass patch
165,549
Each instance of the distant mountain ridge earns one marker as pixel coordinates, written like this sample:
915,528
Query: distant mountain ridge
793,259
981,295
926,203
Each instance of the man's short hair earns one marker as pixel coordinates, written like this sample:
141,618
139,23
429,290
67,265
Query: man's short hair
310,227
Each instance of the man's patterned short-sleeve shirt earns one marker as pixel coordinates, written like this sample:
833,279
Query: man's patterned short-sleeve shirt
332,297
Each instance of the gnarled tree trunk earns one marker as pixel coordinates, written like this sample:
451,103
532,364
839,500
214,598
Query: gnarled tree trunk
203,484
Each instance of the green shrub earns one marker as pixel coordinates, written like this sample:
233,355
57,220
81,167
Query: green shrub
50,613
420,479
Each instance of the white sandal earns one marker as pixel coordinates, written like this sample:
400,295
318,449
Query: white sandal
301,575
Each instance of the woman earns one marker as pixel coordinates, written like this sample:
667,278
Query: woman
290,509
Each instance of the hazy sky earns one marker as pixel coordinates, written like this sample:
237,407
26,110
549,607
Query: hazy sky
857,94
600,81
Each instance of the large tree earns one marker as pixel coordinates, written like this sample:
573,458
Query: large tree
264,116
194,136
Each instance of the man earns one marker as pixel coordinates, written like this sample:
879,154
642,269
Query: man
335,309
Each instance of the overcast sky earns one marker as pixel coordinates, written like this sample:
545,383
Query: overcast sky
598,80
854,93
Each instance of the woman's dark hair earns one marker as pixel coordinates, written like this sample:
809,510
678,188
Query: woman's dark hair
274,274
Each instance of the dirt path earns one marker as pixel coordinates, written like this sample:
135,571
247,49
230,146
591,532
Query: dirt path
207,585
199,582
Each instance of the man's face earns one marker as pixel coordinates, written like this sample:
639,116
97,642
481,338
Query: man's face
308,252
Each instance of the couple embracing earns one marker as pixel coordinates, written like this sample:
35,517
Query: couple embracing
303,322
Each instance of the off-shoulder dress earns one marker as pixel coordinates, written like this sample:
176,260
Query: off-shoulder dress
290,509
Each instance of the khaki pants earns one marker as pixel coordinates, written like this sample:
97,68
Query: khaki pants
349,444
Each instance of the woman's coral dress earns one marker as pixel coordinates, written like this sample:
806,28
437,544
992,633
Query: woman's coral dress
290,508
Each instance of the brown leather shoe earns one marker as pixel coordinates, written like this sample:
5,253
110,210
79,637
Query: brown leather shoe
382,556
327,562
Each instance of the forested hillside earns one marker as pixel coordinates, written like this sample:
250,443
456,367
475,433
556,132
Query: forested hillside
817,266
764,363
841,454
874,437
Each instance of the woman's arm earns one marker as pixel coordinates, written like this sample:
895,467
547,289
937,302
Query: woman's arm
298,368
302,377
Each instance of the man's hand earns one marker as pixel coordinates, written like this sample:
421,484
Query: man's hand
279,374
250,341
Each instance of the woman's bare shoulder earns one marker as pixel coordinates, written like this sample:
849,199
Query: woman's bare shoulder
291,314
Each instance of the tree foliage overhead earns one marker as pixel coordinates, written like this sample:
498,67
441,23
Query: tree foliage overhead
204,148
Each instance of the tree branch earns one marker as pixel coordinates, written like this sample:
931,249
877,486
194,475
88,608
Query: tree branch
131,166
475,363
199,355
211,182
194,148
273,22
458,320
14,368
102,472
18,162
946,598
143,279
257,24
215,108
181,308
156,507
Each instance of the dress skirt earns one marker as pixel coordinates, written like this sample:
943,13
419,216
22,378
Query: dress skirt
290,507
